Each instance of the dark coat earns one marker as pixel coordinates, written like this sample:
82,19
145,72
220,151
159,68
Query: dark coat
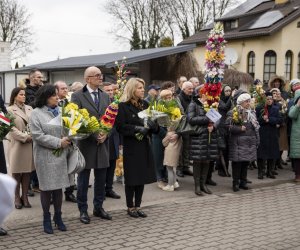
268,132
96,155
3,169
200,148
137,154
225,104
184,100
114,143
30,93
242,145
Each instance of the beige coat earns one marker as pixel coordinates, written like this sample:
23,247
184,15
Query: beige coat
172,150
20,157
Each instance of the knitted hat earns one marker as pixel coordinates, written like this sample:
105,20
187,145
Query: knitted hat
242,98
294,81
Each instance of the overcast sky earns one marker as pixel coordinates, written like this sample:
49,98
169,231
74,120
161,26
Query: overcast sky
65,28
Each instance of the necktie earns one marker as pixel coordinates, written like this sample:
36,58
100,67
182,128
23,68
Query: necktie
96,98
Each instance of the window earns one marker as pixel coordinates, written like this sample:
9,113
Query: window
269,65
234,24
251,63
298,66
288,65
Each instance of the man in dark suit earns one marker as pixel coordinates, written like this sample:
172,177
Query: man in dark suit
95,148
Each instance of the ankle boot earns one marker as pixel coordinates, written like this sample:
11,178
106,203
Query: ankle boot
58,222
270,170
18,202
196,173
47,223
261,166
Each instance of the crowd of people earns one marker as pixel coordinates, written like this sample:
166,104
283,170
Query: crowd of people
249,134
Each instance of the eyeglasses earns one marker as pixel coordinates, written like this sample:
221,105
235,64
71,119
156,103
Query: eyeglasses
97,75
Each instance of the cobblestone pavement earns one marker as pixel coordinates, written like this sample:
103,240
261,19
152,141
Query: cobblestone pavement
261,218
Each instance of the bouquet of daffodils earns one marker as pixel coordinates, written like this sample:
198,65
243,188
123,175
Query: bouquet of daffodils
76,123
166,113
6,124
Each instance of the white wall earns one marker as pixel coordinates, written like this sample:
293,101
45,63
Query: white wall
5,56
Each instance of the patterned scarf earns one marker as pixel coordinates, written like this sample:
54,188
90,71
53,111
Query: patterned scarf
137,103
248,115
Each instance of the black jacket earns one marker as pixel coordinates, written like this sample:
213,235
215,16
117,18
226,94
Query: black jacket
200,148
30,93
185,100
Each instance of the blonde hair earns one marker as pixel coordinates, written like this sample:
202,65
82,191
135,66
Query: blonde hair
130,88
22,83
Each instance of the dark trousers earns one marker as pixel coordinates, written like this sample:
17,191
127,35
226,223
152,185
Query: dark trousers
34,179
239,172
3,169
83,185
296,163
110,172
210,170
136,192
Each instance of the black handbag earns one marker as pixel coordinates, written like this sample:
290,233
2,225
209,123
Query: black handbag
184,127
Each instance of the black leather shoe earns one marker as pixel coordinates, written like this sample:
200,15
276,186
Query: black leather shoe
30,193
71,198
248,181
211,182
141,213
112,194
3,232
102,214
84,218
132,213
245,187
179,173
188,172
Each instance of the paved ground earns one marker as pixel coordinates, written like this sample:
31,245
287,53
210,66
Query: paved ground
265,217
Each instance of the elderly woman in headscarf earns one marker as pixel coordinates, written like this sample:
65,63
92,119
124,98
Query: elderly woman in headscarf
269,119
243,140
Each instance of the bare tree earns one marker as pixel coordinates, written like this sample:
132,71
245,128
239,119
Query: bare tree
151,20
190,16
143,16
14,27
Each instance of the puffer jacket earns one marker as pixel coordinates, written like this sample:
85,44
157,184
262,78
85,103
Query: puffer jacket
200,148
242,144
30,92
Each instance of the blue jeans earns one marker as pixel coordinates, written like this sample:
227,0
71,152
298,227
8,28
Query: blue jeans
99,188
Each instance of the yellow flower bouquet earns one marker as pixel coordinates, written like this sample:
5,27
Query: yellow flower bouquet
76,123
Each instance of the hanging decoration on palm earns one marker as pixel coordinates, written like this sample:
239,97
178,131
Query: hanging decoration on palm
214,64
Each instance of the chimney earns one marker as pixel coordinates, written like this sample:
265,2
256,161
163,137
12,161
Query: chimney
281,1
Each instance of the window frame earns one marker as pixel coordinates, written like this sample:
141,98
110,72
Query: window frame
269,55
251,63
288,65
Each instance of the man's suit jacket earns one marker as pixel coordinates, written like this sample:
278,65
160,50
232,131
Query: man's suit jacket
96,155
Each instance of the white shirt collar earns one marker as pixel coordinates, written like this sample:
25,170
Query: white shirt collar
90,89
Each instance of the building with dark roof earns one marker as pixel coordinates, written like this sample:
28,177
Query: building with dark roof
153,65
263,36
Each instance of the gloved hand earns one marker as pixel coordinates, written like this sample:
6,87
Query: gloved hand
142,130
152,125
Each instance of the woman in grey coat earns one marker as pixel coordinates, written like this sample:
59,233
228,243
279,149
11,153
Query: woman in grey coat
243,140
51,169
